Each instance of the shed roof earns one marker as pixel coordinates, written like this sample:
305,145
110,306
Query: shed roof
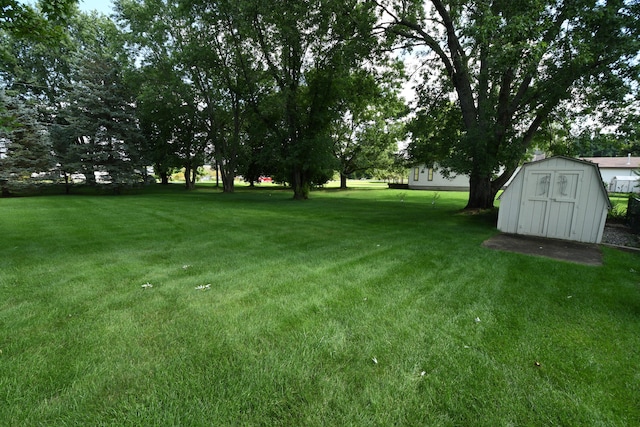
583,160
614,162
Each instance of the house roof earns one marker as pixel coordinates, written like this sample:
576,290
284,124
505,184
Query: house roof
614,162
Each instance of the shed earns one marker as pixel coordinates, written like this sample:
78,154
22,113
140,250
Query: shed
559,198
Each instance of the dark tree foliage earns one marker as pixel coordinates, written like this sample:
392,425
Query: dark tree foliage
507,66
25,151
306,48
96,131
45,22
367,132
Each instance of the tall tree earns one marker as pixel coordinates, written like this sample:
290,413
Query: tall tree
184,102
306,46
158,98
97,126
34,43
25,158
367,133
33,40
510,65
224,72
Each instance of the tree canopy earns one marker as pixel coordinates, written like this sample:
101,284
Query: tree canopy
301,89
268,79
507,66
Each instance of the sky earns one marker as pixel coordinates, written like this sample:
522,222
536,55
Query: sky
103,6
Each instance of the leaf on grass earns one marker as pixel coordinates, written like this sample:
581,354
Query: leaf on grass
203,287
477,320
147,285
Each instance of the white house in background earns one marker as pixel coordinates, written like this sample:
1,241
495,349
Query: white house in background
430,178
559,198
615,167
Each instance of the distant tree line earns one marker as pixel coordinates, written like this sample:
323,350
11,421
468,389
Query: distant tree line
301,90
294,90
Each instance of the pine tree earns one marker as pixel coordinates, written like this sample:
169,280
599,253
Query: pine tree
97,133
25,160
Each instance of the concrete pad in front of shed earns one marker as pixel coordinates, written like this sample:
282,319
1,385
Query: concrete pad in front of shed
563,250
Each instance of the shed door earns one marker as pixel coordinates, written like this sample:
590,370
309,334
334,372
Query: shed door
549,203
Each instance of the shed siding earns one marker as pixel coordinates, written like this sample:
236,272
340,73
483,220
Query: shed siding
557,198
509,201
594,210
584,232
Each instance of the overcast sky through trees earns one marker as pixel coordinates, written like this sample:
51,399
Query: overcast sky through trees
103,6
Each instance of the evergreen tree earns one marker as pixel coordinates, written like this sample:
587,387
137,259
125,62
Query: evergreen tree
25,159
96,132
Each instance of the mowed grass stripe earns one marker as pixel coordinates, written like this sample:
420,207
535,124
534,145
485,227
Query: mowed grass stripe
302,298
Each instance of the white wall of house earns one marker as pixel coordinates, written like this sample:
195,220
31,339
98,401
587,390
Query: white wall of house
612,167
610,173
426,178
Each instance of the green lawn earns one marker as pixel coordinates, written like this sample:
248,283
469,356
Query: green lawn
300,301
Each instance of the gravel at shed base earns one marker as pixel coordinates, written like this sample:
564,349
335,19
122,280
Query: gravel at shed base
620,235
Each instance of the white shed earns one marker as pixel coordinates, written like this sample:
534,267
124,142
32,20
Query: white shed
559,198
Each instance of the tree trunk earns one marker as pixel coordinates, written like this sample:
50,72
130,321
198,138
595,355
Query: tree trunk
164,178
481,193
300,185
228,185
5,191
227,182
187,178
343,181
194,177
67,184
90,177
